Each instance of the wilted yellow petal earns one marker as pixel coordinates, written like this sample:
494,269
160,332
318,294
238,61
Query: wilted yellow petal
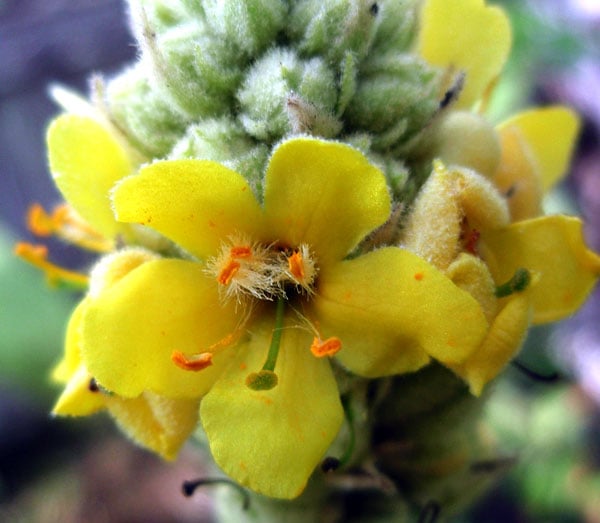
552,247
465,35
157,423
435,224
467,139
78,398
471,274
504,339
518,175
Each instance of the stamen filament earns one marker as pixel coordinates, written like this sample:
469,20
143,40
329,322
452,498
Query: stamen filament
65,223
37,255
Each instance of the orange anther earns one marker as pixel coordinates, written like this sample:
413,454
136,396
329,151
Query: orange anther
68,225
328,347
296,266
241,251
39,222
32,253
228,272
196,363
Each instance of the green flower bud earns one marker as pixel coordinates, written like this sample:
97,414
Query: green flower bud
275,80
397,26
222,140
145,117
249,25
395,99
333,28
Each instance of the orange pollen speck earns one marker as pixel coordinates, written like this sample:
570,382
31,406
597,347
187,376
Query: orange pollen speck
296,266
198,362
241,251
329,347
419,276
228,272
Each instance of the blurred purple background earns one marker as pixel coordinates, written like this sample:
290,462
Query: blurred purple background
42,42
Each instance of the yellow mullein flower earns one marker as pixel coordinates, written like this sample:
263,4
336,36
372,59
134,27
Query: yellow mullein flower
523,157
87,156
268,296
483,252
158,423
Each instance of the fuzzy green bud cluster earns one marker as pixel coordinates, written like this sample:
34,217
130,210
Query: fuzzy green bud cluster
226,81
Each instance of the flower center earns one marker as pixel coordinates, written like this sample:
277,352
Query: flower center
267,272
273,272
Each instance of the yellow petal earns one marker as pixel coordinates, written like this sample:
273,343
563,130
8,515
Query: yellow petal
550,134
325,194
132,328
271,441
465,35
391,309
195,203
554,248
78,399
471,274
157,423
504,339
518,175
71,361
86,161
